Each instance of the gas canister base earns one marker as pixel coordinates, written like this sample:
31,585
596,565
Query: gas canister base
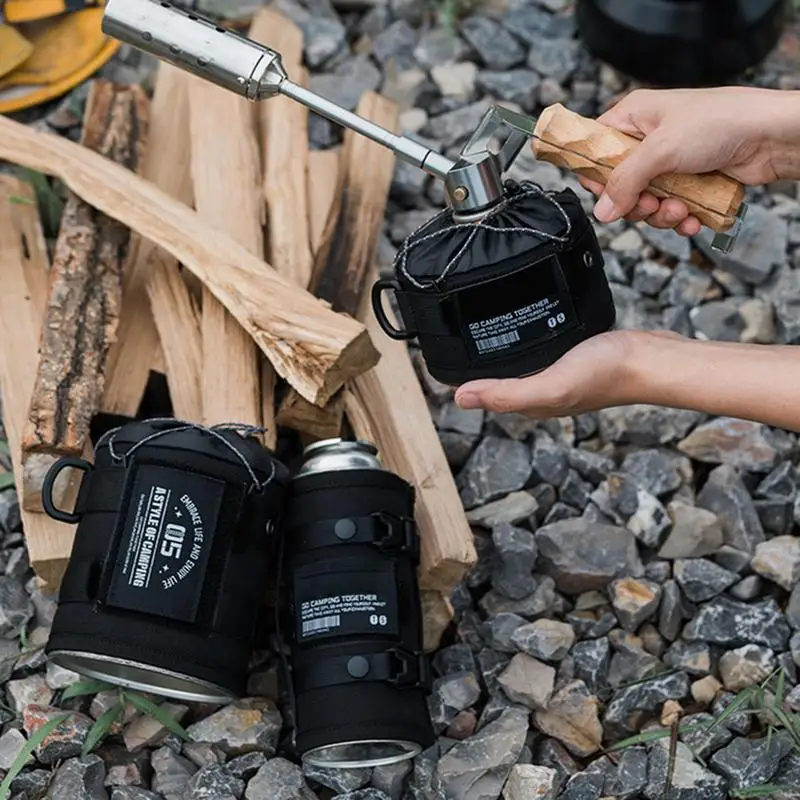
357,755
141,677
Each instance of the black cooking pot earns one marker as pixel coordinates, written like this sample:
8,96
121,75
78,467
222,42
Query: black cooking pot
682,43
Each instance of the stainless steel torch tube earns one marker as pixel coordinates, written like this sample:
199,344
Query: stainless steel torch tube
243,66
196,45
409,150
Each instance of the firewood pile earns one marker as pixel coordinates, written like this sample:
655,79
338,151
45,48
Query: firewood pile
202,239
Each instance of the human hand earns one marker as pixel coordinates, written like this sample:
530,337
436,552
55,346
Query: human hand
750,134
598,373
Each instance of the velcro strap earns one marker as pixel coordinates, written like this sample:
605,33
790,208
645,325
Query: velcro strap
385,531
394,666
102,491
423,313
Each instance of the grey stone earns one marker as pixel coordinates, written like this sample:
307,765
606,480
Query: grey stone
171,773
515,85
589,784
16,606
667,241
777,516
539,602
453,128
778,560
693,658
738,721
571,717
440,46
390,778
499,629
11,744
748,588
788,777
497,467
746,666
550,463
461,420
396,43
650,277
793,608
690,781
630,663
479,767
701,579
741,444
785,298
591,659
246,766
631,775
455,81
751,762
362,794
32,690
634,601
529,23
733,559
79,779
214,782
514,557
348,82
702,736
731,623
250,724
454,659
718,320
528,681
761,246
647,697
324,38
529,781
689,286
645,425
279,779
545,639
554,58
552,754
133,793
695,532
581,555
657,471
594,467
725,494
339,780
495,46
451,694
32,784
511,509
628,504
575,491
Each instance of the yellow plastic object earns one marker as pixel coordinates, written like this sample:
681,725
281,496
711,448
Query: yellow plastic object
17,98
16,11
60,47
15,49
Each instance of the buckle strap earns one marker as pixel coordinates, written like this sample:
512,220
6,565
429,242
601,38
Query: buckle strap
387,532
394,666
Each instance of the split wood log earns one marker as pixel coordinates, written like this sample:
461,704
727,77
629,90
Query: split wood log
23,300
313,348
349,245
323,175
226,170
391,398
437,614
84,300
284,154
166,162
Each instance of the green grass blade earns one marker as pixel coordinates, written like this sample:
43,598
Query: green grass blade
144,705
764,790
16,200
82,688
6,480
27,750
102,726
650,736
5,450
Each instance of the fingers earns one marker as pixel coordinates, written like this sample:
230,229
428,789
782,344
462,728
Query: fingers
502,396
653,157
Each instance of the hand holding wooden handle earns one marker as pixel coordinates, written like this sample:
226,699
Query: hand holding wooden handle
591,149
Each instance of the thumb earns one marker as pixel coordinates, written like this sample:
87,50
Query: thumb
652,157
502,396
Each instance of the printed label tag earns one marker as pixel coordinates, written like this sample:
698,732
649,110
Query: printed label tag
528,307
165,543
368,606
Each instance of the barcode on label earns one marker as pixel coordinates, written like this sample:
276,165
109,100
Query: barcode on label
311,625
496,341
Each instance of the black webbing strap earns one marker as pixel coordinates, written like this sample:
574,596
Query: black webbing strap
394,666
102,490
385,531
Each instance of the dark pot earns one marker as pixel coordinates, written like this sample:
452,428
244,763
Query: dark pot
682,43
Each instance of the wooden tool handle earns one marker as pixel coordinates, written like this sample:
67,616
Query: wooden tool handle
591,149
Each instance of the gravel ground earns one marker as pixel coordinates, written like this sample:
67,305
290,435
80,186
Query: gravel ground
636,565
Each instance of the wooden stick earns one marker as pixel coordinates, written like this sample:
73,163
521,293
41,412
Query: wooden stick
323,176
348,248
22,306
84,300
316,350
225,175
166,163
390,397
589,148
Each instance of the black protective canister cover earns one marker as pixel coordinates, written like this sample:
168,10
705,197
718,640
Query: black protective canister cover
351,598
505,297
172,552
